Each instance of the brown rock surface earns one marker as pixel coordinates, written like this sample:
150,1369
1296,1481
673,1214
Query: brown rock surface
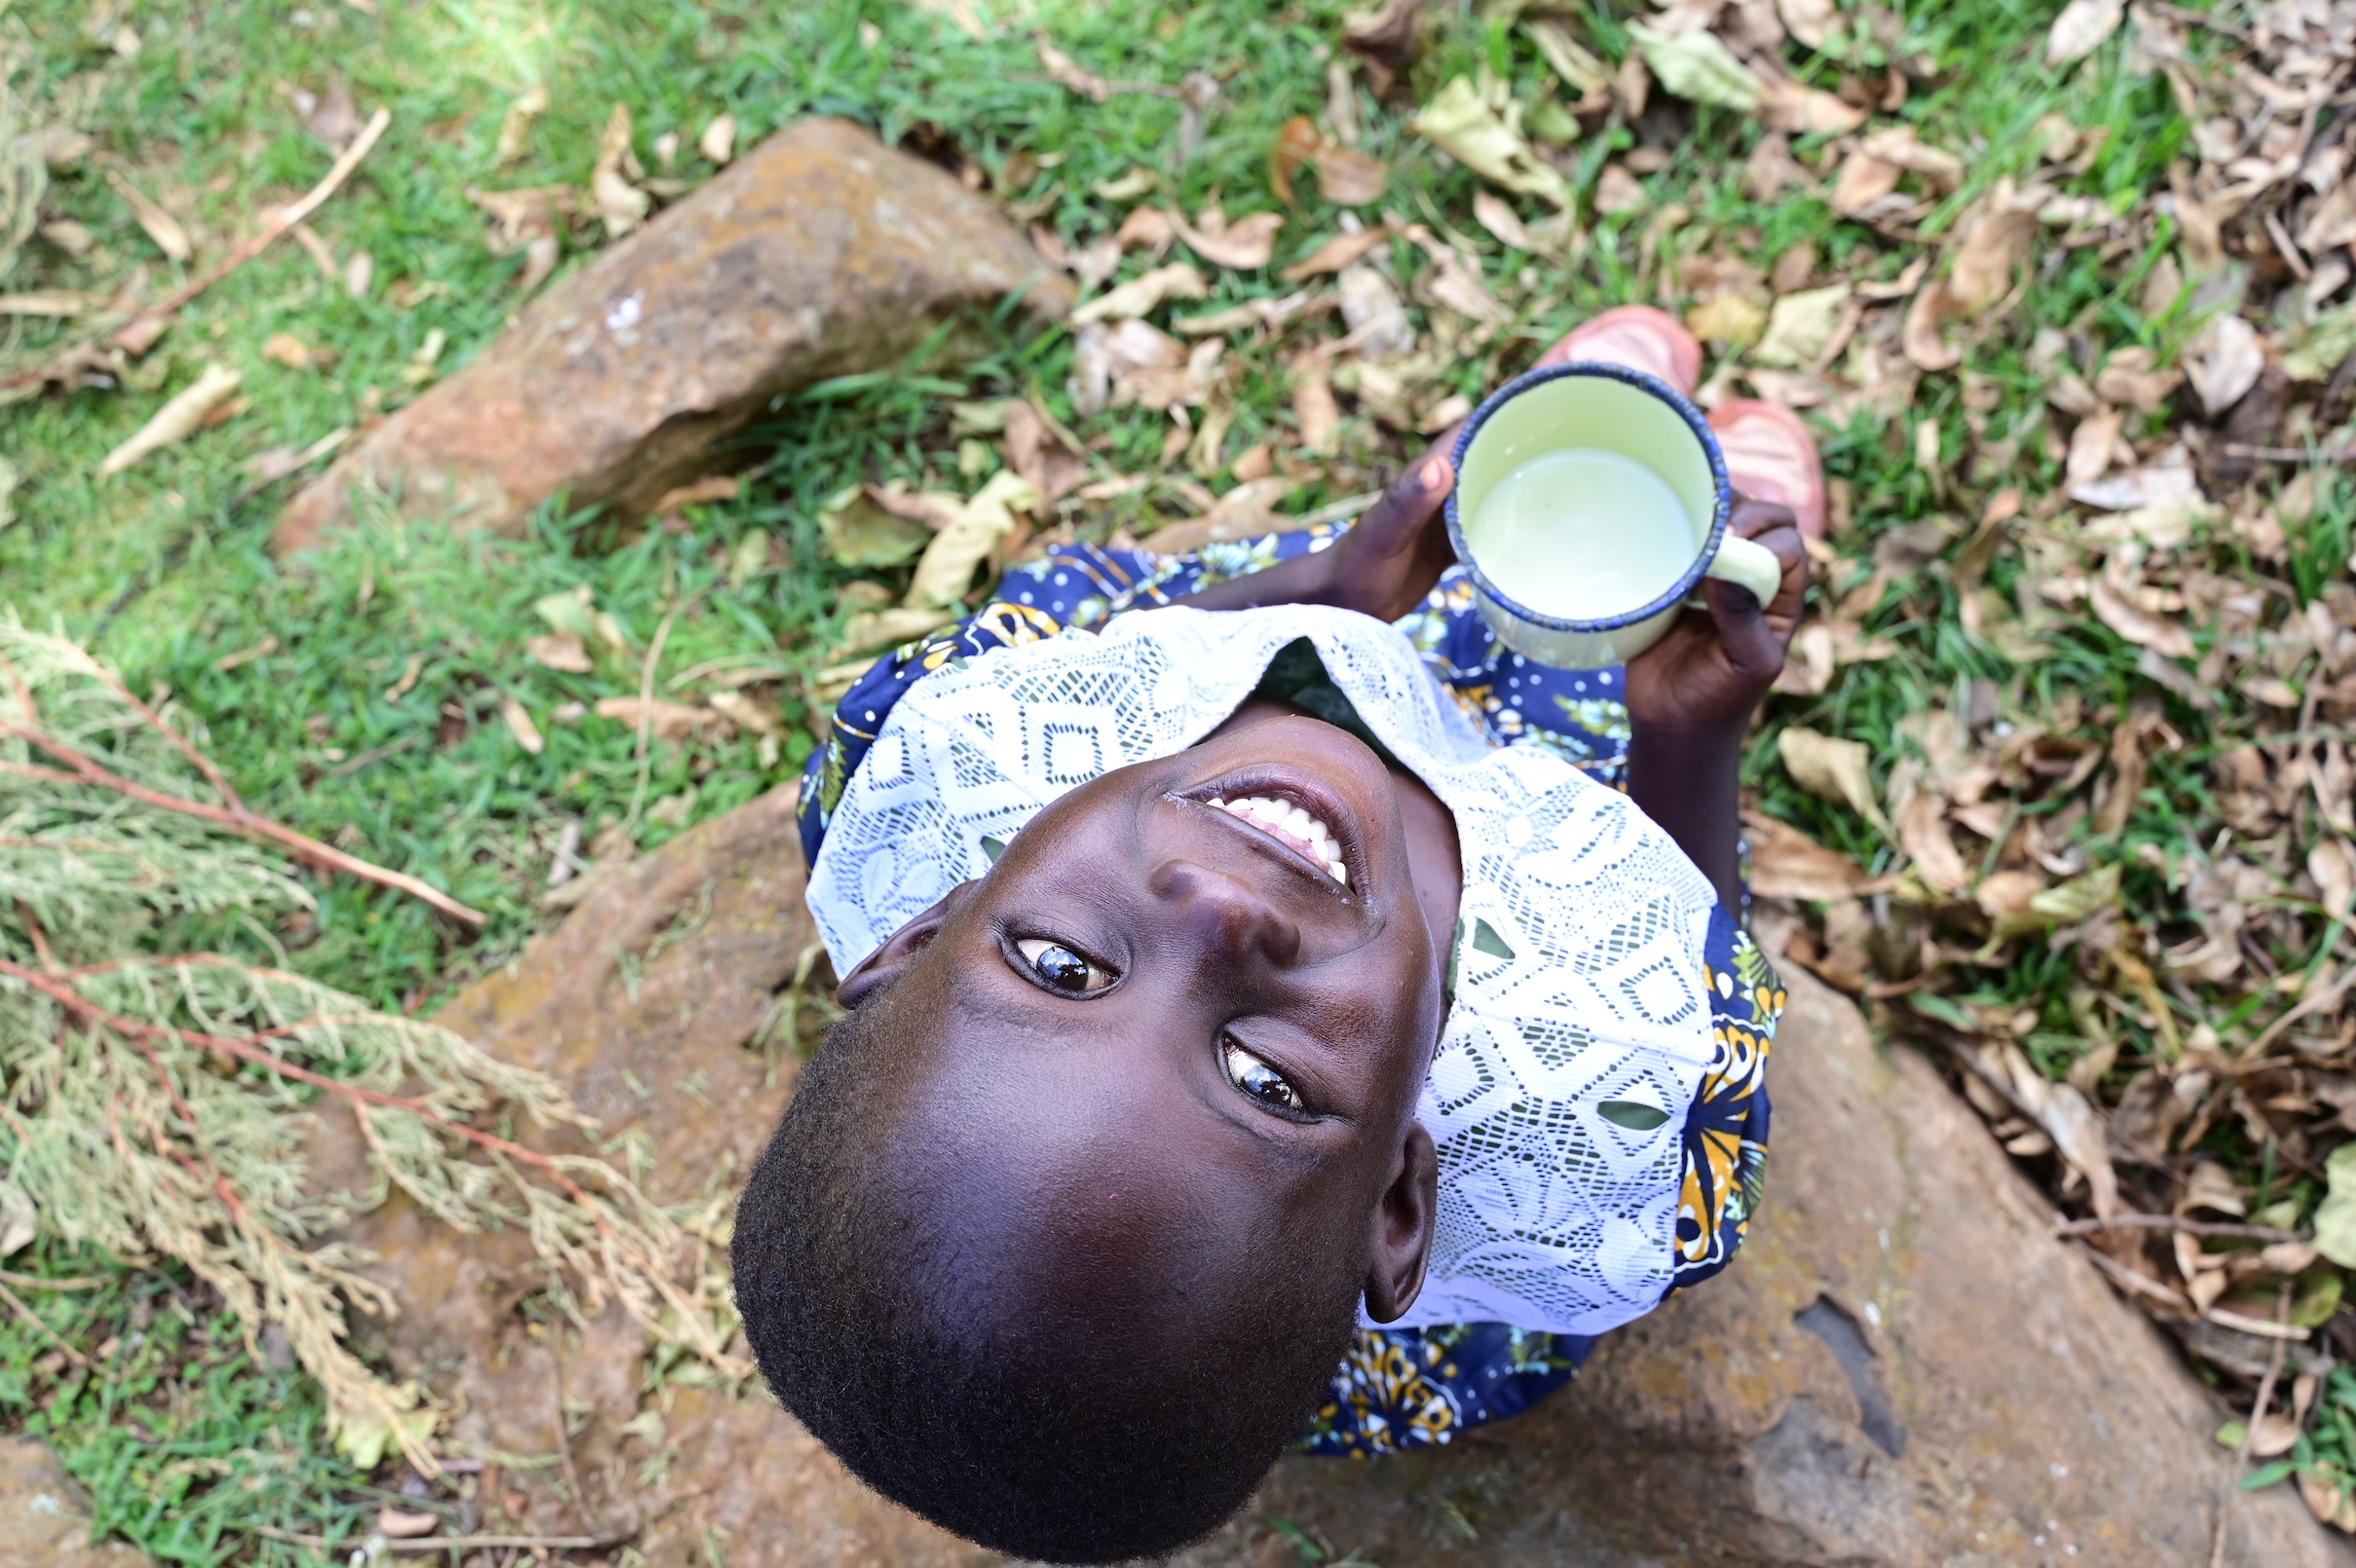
44,1523
2000,1405
820,254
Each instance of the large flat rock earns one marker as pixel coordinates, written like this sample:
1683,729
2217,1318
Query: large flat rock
1904,1369
44,1522
820,254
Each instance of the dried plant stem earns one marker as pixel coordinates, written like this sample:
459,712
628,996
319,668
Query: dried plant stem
2249,1432
421,1546
618,1246
245,1050
138,334
40,1282
237,817
2190,1227
33,1318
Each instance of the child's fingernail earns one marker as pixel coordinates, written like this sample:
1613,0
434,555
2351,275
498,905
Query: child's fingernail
1435,474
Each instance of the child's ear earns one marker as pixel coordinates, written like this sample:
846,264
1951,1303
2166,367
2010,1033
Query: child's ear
1402,1227
888,962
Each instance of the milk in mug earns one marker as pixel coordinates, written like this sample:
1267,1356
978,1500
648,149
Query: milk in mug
1583,534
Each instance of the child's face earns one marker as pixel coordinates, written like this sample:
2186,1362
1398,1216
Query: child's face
1156,1037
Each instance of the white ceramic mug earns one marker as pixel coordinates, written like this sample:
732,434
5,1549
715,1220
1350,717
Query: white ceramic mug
1611,423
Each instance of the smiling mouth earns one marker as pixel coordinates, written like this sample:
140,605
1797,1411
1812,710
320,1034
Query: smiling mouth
1291,825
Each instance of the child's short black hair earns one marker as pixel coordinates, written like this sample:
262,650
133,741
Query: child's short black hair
1044,1431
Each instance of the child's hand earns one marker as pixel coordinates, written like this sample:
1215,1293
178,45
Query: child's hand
1382,567
1712,669
1394,556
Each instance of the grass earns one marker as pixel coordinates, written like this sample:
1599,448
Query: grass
165,570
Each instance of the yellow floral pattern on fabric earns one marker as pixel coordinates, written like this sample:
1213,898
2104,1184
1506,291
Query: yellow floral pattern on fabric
1725,1129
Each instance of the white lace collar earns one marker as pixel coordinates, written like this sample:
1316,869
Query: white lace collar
1579,1030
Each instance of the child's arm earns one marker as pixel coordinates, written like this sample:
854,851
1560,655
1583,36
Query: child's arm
1382,567
1691,697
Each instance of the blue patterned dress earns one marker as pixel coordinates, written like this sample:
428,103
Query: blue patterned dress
1404,1388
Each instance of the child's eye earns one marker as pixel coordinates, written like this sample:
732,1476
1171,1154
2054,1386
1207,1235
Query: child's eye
1062,968
1259,1080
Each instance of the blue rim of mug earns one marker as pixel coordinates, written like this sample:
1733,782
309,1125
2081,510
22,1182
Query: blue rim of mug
1721,489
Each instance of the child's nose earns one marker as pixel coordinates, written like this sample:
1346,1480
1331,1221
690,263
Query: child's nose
1225,915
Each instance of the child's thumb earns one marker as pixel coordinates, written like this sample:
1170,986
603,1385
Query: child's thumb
1409,503
1749,641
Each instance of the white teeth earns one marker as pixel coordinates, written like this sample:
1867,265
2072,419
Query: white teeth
1294,822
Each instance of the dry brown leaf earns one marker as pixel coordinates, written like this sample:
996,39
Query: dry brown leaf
1899,145
2333,865
1065,71
2074,1126
1617,190
1104,356
2225,361
1313,408
1334,254
622,204
1806,111
1484,134
1349,178
1923,346
2273,1435
1770,169
2129,378
1832,769
1922,835
1864,180
1811,22
57,304
559,651
945,573
161,226
177,419
1145,228
2091,445
1502,221
1036,450
515,126
1142,294
2166,482
1996,243
2081,28
333,118
1728,319
717,140
668,720
285,349
1244,246
2145,630
1345,176
1453,279
2332,222
1386,35
400,1524
1379,322
520,217
518,720
872,629
748,713
1786,863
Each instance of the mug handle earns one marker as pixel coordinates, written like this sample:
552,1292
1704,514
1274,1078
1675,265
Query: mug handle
1747,564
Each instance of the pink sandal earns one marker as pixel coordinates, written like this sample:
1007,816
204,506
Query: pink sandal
1770,456
1636,336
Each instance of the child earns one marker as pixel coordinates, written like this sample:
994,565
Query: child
1273,963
